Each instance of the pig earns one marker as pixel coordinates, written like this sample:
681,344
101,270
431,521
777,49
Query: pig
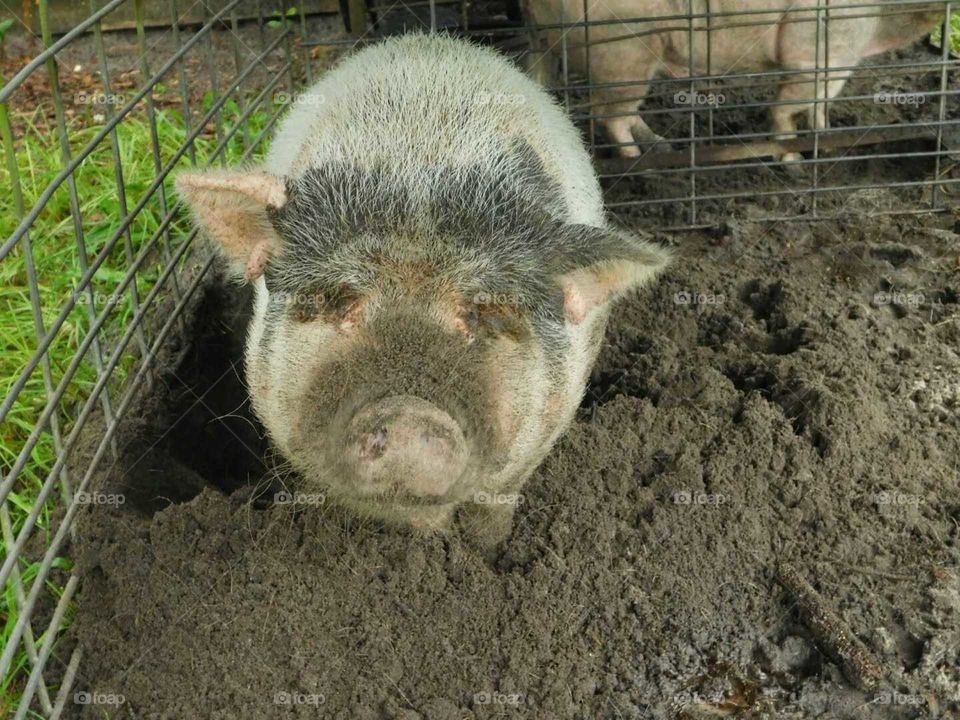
432,271
636,52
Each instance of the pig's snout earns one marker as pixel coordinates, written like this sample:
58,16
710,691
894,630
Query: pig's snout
406,445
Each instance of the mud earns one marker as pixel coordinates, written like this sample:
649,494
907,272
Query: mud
787,393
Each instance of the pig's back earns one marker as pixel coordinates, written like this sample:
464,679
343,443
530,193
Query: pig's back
426,100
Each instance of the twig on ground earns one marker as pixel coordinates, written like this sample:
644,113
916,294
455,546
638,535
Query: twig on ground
831,634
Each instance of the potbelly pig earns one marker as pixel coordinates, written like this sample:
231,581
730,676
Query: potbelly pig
432,271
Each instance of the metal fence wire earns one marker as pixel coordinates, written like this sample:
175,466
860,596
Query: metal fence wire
98,262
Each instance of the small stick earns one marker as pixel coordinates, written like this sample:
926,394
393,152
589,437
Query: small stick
834,638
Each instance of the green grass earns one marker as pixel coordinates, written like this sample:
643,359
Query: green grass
936,35
58,268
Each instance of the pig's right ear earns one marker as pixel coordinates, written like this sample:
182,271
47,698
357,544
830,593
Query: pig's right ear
596,266
232,207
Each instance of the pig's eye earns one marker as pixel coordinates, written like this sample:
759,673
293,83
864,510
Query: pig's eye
495,320
466,323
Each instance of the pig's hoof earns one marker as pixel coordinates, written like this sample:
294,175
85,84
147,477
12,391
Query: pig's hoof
792,162
652,144
645,147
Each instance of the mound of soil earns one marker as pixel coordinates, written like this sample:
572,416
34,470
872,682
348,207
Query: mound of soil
786,394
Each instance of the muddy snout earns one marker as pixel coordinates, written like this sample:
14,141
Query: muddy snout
404,444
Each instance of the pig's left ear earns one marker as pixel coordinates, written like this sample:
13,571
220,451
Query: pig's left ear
232,207
600,265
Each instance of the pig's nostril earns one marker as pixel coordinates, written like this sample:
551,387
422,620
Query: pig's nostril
373,445
431,442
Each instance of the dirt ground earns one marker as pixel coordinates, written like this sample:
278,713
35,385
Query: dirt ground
787,394
803,407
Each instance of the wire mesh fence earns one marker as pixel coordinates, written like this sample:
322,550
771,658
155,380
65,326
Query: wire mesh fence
98,264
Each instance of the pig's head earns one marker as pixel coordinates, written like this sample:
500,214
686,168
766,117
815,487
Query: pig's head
422,336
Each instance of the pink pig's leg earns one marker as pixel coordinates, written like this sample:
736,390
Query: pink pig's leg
801,48
783,117
799,96
629,130
818,118
625,61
